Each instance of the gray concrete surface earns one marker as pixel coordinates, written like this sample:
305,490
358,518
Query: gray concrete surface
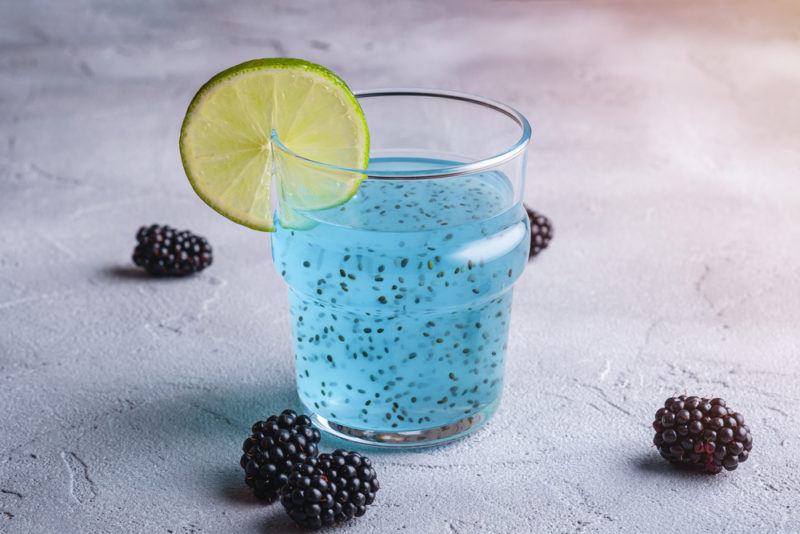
666,149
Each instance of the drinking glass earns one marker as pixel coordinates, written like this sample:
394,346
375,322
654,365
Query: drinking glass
400,297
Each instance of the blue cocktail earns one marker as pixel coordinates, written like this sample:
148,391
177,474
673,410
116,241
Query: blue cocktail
401,297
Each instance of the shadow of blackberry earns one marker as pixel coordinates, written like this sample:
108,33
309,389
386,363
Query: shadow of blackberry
131,273
652,464
192,438
278,521
125,272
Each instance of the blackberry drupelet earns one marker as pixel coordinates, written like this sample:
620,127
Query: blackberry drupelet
275,446
702,433
332,488
541,232
165,251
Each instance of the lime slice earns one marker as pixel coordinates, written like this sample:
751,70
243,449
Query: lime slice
229,155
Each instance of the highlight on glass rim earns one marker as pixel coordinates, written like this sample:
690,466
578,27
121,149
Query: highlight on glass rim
293,266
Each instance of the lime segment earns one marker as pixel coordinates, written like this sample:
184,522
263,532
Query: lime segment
229,156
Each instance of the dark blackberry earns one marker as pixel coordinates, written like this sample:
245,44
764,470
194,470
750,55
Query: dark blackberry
702,433
164,251
275,446
332,488
541,231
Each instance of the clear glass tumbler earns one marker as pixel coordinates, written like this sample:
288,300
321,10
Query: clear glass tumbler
400,298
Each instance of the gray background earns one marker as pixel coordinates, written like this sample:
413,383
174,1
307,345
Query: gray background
666,149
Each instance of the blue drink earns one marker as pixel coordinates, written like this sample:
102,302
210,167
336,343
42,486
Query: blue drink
400,302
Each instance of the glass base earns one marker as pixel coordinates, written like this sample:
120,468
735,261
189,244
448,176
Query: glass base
407,439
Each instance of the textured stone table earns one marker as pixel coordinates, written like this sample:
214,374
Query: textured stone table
666,149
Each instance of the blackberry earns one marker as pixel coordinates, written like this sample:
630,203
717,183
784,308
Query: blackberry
275,446
702,433
332,488
164,251
541,231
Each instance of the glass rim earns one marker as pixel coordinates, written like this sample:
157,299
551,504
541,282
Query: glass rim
459,169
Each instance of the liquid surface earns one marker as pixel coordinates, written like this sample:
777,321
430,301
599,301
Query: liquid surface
400,299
